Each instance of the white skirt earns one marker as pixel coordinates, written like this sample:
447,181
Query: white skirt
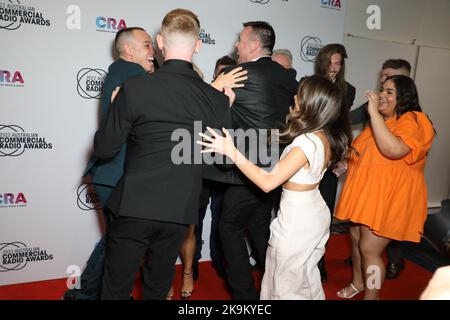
297,242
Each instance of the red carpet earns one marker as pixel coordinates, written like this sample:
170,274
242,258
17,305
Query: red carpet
209,286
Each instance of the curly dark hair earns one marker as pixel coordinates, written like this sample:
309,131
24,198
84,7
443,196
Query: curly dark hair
407,97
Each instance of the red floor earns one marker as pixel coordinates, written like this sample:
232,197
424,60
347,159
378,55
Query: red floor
408,286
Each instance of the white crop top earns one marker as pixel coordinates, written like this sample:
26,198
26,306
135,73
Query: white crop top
313,148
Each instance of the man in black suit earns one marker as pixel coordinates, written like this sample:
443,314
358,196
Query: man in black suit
261,104
135,49
157,196
330,63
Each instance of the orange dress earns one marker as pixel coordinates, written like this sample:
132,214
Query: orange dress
389,196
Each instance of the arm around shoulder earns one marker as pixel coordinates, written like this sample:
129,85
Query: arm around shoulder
114,128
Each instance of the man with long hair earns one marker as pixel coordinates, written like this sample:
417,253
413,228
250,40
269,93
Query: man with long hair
330,63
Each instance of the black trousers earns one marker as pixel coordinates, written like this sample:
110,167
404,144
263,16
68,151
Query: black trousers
210,190
129,240
91,278
245,209
328,187
394,252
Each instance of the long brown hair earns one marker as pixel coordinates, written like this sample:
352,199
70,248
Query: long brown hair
320,103
323,61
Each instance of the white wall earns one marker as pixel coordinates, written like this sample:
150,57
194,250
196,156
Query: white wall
366,57
419,22
433,68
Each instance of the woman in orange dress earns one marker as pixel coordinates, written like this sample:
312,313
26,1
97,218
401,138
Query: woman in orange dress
385,195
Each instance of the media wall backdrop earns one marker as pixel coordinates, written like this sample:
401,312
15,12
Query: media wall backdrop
53,59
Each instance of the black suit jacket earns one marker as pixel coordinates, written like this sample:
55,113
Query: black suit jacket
349,96
360,115
262,103
151,113
347,102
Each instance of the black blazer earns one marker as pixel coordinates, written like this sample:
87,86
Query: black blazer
265,100
360,115
151,113
349,96
262,104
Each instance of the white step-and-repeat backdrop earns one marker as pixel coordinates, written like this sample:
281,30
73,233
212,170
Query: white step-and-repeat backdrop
53,59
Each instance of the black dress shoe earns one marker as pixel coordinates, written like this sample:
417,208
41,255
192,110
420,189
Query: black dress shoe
393,270
68,295
73,294
349,261
220,269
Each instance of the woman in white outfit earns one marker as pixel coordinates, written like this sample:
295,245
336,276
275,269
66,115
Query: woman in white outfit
299,232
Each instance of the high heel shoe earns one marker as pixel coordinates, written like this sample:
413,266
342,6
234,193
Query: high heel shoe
184,293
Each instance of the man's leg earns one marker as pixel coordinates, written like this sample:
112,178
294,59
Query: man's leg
159,269
327,187
198,237
215,246
91,278
396,263
204,200
128,241
259,223
238,202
